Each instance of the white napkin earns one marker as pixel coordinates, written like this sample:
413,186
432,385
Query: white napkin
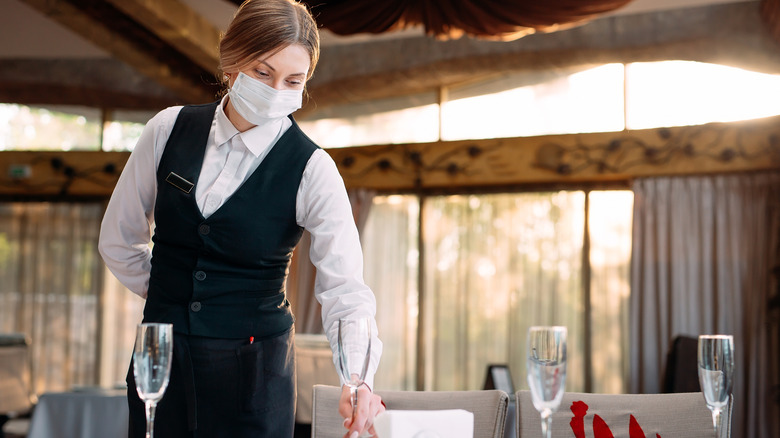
450,423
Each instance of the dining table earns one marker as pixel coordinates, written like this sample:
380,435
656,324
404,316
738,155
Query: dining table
81,413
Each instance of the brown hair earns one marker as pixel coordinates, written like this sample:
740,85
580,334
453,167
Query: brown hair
265,27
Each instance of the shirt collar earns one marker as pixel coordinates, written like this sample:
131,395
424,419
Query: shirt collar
256,139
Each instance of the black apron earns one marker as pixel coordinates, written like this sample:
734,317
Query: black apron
223,388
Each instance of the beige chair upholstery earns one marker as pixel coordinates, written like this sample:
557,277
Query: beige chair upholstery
15,383
488,406
16,395
314,361
680,415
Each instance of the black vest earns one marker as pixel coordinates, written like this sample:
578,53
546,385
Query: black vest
223,277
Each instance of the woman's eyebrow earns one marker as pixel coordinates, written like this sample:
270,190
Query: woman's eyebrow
270,67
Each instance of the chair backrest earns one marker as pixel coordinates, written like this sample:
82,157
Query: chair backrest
489,408
314,361
682,372
680,415
15,381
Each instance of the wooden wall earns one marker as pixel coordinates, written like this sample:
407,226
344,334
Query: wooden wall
491,164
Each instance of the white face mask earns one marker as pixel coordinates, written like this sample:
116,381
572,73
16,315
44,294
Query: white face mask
258,103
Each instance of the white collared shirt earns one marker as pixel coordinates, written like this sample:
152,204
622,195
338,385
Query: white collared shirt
322,208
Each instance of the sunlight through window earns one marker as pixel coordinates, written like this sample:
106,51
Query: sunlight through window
675,93
587,101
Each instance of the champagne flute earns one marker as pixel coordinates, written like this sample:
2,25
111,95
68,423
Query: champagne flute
354,343
716,374
546,368
152,357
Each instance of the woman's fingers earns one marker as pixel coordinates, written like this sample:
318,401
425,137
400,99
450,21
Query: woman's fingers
345,403
369,406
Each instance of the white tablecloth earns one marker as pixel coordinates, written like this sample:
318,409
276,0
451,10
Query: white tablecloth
450,423
93,413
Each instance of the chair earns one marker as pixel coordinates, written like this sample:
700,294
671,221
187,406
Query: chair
679,415
488,406
682,372
16,398
314,361
500,377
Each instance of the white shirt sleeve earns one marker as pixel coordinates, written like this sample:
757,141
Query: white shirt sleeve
125,232
324,210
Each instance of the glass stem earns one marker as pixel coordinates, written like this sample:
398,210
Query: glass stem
150,408
716,421
354,390
547,423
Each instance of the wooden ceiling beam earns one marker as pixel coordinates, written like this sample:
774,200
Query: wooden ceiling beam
106,35
79,95
179,25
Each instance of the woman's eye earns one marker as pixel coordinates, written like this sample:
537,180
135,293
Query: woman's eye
262,74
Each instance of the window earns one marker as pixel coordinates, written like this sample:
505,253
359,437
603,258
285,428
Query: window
409,119
674,93
494,265
54,128
121,133
590,100
604,98
68,128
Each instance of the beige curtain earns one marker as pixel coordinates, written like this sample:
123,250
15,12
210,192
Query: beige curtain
494,266
703,252
491,266
50,282
300,281
390,248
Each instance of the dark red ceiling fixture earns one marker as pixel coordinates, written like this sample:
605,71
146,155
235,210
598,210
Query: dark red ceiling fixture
449,19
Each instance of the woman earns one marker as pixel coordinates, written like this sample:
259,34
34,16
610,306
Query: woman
230,186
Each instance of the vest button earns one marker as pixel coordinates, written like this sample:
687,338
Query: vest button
200,275
195,306
204,229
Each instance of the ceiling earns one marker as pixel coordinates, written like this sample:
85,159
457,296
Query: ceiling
148,54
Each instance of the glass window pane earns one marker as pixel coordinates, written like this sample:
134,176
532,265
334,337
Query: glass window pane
122,133
676,93
547,103
51,128
408,119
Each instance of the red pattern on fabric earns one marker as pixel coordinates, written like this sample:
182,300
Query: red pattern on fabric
600,427
634,430
577,423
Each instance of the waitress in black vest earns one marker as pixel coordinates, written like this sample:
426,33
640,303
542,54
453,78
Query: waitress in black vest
229,187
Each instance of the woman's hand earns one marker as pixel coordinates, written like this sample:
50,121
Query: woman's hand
368,406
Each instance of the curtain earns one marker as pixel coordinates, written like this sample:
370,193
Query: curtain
50,282
494,266
390,248
121,312
300,281
703,252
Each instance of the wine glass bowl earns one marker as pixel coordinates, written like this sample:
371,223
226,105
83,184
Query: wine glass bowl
716,373
546,369
354,349
152,356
